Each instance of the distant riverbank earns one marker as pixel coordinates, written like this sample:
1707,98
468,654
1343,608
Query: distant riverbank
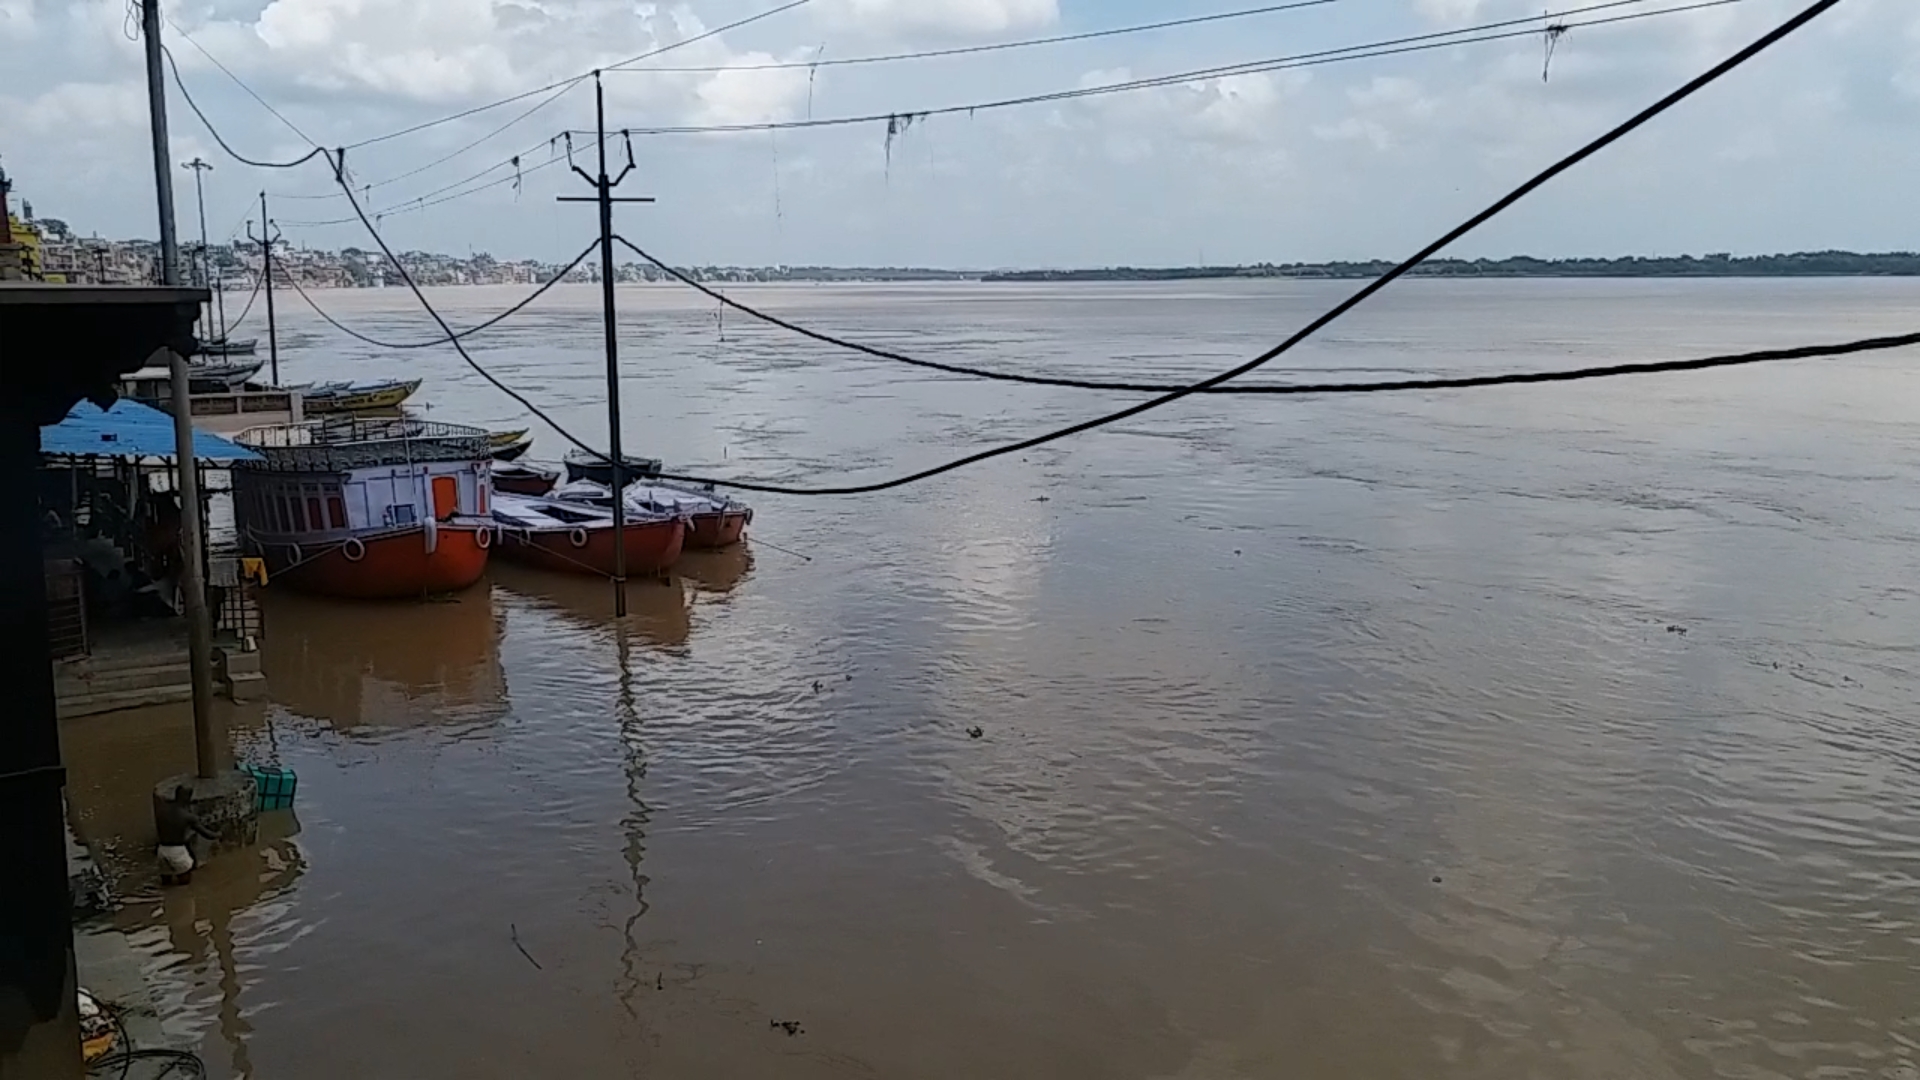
1799,264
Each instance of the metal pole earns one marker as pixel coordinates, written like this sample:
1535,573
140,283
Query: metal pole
186,479
206,255
605,188
266,264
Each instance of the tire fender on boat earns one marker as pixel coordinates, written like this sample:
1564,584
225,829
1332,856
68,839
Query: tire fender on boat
483,538
432,532
293,555
353,549
578,536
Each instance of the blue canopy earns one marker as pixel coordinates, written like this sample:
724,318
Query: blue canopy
130,429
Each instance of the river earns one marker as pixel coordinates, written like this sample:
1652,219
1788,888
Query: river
1556,731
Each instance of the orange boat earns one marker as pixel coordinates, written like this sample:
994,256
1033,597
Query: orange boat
714,520
367,508
578,537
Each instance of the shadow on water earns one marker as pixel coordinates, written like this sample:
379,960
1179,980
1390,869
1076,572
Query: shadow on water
185,937
356,664
657,608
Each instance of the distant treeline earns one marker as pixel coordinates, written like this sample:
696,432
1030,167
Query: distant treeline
1799,264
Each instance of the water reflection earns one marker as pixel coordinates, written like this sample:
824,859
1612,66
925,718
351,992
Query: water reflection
385,664
185,936
657,610
716,571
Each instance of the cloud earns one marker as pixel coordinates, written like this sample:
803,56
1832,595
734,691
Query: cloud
938,18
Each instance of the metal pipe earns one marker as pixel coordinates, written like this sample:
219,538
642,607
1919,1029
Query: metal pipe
605,188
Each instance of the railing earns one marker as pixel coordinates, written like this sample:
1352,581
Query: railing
234,609
341,443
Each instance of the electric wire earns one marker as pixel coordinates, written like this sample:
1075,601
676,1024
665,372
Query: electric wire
998,46
1499,205
1393,47
468,332
180,85
523,95
1359,297
238,81
338,161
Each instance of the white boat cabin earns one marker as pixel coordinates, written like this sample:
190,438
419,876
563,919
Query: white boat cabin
363,500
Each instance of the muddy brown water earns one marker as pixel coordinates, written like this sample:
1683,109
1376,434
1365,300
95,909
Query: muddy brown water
1324,737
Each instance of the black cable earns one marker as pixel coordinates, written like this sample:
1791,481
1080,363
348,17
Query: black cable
1593,147
337,159
1444,39
173,1058
999,46
1538,180
468,332
237,81
251,297
181,86
933,365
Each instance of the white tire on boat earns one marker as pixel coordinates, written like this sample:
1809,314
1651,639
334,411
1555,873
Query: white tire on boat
578,536
483,538
353,549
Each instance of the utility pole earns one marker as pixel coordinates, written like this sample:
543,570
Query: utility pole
206,254
186,479
603,194
268,235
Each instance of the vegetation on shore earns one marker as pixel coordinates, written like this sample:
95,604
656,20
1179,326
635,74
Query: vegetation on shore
1798,264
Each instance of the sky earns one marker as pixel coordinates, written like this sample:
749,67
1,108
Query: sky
1811,146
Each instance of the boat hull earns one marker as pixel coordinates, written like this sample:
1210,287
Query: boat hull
652,546
391,566
712,531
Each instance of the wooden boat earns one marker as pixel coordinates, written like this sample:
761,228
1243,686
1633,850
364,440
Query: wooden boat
713,520
360,397
578,538
229,346
219,376
512,452
367,508
517,479
581,465
501,439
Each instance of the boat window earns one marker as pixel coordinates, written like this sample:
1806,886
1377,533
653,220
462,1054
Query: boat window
402,513
313,514
336,512
299,515
286,514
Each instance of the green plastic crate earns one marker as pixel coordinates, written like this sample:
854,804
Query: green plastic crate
273,786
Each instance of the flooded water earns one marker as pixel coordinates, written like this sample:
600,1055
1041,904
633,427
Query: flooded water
1561,731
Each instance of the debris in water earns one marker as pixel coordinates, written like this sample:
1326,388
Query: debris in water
1436,879
659,980
1675,628
816,686
975,731
791,1027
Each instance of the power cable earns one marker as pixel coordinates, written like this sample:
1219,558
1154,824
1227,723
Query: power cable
1392,47
468,332
237,81
1498,206
1591,148
1354,52
1000,46
523,95
180,85
339,163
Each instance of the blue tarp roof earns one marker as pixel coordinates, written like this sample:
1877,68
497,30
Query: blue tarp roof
130,429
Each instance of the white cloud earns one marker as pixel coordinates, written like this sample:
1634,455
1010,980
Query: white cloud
942,18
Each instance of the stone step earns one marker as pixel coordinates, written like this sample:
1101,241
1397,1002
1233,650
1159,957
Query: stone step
113,701
114,680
